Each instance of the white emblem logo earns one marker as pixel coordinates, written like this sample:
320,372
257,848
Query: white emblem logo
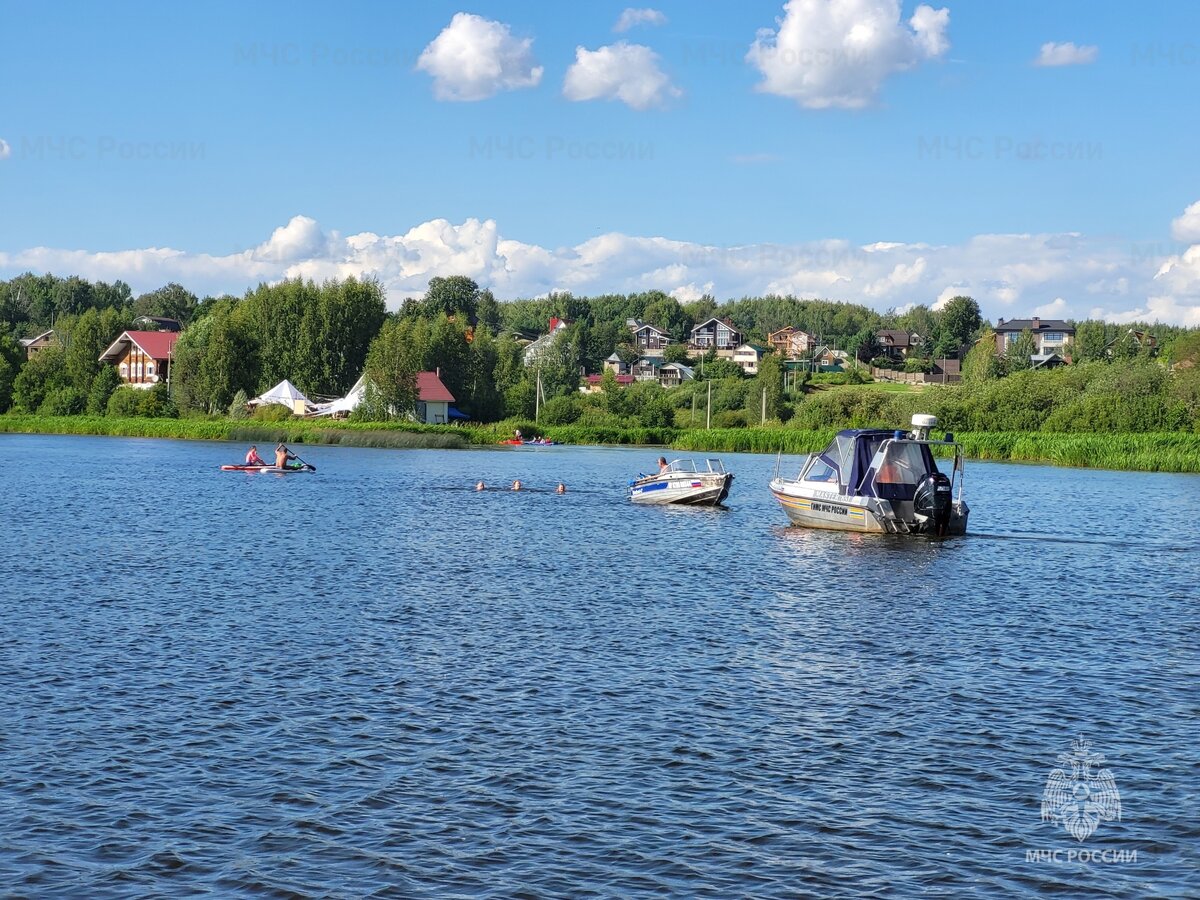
1085,796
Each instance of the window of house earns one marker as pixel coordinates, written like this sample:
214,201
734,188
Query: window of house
149,368
1052,337
1010,339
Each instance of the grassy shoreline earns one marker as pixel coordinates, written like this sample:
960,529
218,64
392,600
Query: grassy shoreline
1165,452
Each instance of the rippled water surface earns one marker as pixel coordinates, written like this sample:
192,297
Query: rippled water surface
375,681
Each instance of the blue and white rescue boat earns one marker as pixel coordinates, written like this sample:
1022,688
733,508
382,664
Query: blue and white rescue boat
875,480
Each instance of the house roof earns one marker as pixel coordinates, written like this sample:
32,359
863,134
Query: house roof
757,348
1040,360
163,323
727,322
685,371
613,357
621,379
25,342
155,344
646,325
1033,325
897,337
431,390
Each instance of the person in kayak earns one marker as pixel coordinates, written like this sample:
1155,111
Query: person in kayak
253,459
282,456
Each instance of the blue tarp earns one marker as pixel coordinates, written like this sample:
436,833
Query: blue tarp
455,414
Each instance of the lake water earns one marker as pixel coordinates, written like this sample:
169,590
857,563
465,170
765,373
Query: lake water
375,681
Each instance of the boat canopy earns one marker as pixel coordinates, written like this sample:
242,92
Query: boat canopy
850,455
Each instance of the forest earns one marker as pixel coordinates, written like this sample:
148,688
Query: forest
324,336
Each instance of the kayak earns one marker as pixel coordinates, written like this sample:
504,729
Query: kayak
286,470
537,443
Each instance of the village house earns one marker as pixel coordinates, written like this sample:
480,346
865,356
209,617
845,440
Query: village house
748,356
613,364
32,345
675,374
648,339
791,342
899,344
1050,336
719,334
534,350
433,399
142,358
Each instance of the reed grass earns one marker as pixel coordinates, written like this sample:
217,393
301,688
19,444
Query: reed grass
1149,452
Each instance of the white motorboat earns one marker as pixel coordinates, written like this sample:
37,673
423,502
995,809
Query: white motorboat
878,481
686,482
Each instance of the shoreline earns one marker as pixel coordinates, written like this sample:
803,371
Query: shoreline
1173,452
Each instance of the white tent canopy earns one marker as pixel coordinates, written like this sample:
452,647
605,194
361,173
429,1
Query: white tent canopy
285,394
348,403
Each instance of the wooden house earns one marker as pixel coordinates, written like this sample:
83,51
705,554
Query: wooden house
142,358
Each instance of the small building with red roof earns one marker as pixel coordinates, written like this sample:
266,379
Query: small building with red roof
142,358
433,399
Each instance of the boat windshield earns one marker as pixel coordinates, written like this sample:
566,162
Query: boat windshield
690,467
902,462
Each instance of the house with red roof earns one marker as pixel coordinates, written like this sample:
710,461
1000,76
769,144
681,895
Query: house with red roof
142,358
433,399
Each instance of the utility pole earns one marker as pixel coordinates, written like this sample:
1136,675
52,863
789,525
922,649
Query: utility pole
708,409
764,407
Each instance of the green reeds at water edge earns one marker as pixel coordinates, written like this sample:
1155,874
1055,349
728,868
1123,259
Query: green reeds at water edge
1151,452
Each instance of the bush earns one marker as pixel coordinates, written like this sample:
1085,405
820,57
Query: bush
106,381
729,419
237,407
916,364
123,404
65,401
272,412
156,403
561,411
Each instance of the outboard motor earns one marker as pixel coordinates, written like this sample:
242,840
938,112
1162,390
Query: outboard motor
934,502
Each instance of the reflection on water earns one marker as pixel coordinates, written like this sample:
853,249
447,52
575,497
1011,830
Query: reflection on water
376,679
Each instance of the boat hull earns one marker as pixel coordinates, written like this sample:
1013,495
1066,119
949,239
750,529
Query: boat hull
862,514
276,470
692,490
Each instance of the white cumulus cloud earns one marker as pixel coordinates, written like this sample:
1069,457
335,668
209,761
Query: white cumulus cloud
1066,54
1186,228
475,58
620,71
631,17
1010,275
838,53
5,149
299,239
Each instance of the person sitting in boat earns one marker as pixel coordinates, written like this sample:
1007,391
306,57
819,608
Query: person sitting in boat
253,459
662,465
282,456
517,434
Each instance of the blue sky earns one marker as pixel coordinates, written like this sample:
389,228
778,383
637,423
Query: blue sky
207,130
